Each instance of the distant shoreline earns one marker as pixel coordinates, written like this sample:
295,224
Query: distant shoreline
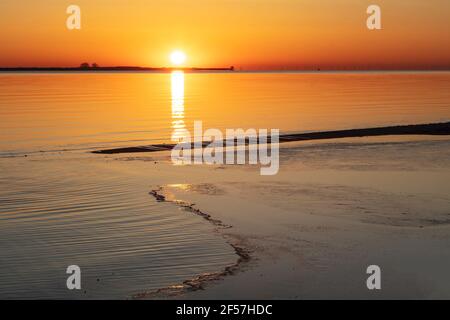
442,128
108,69
91,69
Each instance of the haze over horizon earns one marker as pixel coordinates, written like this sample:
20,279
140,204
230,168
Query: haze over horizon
264,34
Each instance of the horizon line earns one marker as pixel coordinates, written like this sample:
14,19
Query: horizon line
95,67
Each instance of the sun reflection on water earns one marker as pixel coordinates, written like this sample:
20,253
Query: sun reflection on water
178,124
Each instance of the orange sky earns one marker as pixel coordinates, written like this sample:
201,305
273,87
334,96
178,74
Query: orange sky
244,33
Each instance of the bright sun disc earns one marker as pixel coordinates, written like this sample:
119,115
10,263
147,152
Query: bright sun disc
177,57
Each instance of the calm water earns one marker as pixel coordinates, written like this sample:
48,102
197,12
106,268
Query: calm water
59,211
70,111
63,208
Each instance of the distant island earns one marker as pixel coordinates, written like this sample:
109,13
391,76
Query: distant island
85,67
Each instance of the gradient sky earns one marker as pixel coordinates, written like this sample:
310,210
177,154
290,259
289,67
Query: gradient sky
244,33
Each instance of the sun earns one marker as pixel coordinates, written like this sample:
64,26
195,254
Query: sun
177,57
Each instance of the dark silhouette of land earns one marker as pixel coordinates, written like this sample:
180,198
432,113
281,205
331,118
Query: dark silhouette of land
417,129
94,68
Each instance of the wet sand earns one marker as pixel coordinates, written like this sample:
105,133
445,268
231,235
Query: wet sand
343,200
334,208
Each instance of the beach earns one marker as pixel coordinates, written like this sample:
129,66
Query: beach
308,232
312,230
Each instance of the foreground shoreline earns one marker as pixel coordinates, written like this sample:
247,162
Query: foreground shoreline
314,228
442,128
200,281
